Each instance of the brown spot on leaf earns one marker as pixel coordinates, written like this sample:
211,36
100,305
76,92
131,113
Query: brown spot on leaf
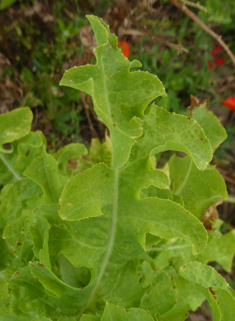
211,291
140,279
39,264
19,243
27,154
210,216
72,163
127,310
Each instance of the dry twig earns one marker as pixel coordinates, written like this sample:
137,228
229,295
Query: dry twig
195,18
159,38
194,5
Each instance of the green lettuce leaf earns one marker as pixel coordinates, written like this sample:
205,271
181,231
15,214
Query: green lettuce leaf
112,74
15,125
68,153
198,189
13,162
220,249
102,235
44,171
114,313
210,123
217,291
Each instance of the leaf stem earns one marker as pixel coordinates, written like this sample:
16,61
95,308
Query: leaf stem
194,5
158,249
10,167
230,199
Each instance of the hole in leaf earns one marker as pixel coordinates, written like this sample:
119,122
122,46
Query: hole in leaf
77,277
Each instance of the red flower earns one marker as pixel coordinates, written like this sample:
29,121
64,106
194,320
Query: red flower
210,65
216,50
230,102
219,61
125,48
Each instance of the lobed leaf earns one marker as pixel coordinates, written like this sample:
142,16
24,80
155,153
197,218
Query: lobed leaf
210,123
112,75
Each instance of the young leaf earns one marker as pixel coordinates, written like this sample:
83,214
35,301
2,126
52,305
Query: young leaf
98,153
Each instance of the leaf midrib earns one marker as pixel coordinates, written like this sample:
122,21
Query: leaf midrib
177,192
10,167
111,241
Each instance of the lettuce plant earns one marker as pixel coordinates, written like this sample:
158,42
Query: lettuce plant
105,234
